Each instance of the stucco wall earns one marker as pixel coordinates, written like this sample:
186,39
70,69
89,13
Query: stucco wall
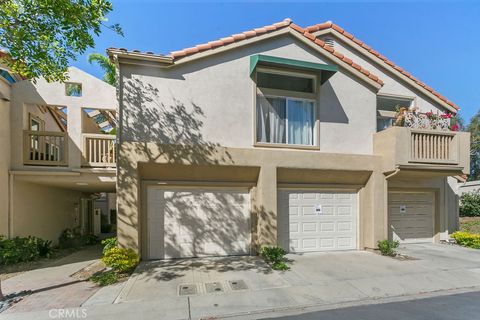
43,211
392,84
4,164
50,123
218,92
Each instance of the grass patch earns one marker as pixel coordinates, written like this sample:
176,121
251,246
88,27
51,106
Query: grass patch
470,224
105,278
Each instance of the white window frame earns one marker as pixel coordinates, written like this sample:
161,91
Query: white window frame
292,95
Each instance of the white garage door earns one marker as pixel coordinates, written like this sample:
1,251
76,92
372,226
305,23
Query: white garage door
193,223
317,221
411,216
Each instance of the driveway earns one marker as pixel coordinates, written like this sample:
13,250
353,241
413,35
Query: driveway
235,285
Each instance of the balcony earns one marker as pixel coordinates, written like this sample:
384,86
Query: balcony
99,150
48,148
45,148
408,148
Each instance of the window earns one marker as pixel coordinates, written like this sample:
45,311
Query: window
285,109
387,107
73,89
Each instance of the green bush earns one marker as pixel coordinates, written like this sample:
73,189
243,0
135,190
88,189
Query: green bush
470,204
23,249
105,278
120,259
466,239
109,243
387,247
275,256
71,238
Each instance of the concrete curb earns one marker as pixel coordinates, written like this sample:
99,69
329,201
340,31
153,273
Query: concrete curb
295,310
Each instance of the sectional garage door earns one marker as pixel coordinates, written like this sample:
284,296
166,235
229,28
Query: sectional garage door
411,216
196,222
317,220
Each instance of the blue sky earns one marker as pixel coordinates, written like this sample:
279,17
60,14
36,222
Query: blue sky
436,41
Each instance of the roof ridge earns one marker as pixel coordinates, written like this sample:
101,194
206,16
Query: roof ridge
336,54
230,39
330,24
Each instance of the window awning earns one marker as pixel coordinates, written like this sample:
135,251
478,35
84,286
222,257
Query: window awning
325,70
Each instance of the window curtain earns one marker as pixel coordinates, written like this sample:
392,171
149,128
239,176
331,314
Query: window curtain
300,122
271,114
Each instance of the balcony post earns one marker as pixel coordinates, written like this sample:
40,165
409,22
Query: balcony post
74,128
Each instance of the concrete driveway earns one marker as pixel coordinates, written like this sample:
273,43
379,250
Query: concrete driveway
238,285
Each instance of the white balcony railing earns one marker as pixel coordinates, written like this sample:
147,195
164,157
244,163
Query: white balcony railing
433,147
45,148
99,150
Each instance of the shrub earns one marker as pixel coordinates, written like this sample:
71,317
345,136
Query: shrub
22,249
387,247
109,243
120,259
470,204
67,239
275,256
45,249
466,239
105,278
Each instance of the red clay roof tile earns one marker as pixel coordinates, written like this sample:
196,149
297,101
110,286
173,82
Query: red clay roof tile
329,24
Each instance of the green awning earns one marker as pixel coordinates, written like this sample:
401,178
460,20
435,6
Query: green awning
325,70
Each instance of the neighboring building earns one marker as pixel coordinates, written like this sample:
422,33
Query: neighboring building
275,137
468,186
55,153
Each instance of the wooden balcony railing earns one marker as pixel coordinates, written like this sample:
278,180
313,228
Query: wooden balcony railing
433,147
99,150
45,148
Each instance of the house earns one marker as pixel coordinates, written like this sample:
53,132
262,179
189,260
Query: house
56,155
281,135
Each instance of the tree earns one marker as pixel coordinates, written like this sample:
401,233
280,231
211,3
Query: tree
43,36
474,129
107,67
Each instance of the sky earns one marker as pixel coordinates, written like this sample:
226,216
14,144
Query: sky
436,41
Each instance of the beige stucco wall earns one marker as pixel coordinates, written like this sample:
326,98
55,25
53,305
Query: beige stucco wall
43,211
357,171
96,94
4,156
50,123
219,92
392,83
201,114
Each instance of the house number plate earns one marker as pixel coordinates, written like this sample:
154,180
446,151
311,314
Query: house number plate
318,209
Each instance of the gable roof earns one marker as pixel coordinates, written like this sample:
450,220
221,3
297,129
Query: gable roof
357,42
237,39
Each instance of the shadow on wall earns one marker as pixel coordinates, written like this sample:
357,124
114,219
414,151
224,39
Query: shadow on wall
195,223
331,109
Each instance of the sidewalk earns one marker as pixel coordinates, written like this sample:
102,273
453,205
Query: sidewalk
53,287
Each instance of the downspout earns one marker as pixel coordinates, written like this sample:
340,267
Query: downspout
397,170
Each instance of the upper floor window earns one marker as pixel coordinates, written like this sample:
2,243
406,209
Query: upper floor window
73,89
286,108
387,107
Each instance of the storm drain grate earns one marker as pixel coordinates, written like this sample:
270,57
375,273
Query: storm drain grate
187,289
213,287
237,284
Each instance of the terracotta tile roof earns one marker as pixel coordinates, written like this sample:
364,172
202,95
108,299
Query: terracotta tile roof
276,26
335,54
331,25
231,39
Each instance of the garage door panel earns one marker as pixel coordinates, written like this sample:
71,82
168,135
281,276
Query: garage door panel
327,220
198,222
411,216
